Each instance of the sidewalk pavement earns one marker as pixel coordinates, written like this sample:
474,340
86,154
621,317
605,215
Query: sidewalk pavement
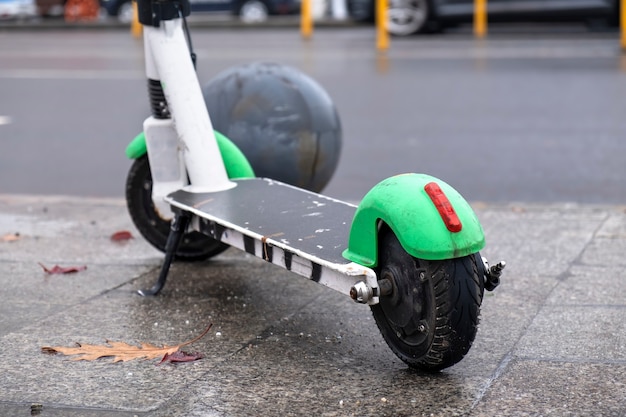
552,339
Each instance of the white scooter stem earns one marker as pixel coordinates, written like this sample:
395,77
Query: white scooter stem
168,60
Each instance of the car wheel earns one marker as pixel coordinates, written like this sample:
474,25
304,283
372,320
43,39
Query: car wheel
252,11
125,12
406,17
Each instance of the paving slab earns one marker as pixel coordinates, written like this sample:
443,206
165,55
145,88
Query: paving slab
552,339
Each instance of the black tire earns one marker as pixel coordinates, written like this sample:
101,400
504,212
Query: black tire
153,226
123,11
407,17
431,317
252,11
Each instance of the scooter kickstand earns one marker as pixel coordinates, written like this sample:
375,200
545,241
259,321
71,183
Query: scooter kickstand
178,227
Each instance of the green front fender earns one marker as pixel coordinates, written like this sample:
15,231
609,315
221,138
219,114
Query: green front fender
236,163
402,203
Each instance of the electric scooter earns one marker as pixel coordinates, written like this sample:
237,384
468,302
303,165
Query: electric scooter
410,249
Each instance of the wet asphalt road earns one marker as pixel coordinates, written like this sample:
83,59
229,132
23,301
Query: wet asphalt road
518,117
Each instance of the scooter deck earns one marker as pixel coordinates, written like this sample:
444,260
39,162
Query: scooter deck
295,229
270,214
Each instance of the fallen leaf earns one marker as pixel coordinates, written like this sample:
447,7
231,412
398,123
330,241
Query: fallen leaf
120,351
122,235
180,356
62,270
11,237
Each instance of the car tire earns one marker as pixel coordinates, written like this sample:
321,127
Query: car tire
252,11
406,17
125,12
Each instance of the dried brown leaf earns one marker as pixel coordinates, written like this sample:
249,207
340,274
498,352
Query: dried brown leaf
122,235
10,237
62,270
181,356
120,351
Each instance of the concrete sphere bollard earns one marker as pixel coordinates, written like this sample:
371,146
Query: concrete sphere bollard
281,119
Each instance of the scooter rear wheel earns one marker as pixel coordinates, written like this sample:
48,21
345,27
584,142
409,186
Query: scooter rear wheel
430,317
154,226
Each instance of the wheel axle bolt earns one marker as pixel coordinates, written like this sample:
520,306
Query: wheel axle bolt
385,286
361,292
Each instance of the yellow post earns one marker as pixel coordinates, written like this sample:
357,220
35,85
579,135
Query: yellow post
480,18
622,23
306,19
135,26
382,34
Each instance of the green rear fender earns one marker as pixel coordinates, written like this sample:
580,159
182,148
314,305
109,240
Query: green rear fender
236,163
403,204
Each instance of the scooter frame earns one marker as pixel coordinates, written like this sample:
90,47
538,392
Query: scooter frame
186,162
168,61
414,230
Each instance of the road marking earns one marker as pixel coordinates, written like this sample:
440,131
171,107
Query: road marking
401,51
71,74
5,120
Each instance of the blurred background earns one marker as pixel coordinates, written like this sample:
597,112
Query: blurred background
405,17
531,111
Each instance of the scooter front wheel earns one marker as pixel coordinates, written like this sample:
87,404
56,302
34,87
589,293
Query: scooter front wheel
154,226
428,313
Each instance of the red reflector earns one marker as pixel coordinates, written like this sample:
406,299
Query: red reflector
444,207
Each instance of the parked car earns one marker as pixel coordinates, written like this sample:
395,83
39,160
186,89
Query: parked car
17,9
247,10
406,17
51,8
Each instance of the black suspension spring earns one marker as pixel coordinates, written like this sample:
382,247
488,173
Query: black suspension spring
158,103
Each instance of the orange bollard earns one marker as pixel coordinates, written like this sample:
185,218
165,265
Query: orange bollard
480,18
622,23
135,26
382,34
306,19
